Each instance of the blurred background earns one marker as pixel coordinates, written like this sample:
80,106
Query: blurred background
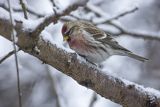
44,86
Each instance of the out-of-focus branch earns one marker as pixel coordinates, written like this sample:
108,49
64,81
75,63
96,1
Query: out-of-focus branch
13,39
119,15
7,56
54,18
118,90
24,9
141,35
123,31
93,100
28,9
123,14
54,4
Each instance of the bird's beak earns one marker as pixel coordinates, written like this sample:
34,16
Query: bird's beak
65,38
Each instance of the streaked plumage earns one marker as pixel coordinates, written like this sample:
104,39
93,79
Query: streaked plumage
92,43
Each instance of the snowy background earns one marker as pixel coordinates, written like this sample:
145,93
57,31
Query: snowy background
42,84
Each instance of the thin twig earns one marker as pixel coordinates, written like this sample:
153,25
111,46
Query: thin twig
119,15
93,100
16,57
54,4
24,9
124,14
8,55
75,17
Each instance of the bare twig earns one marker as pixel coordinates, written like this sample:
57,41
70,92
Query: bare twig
8,55
93,100
24,9
123,14
55,18
15,53
54,4
119,16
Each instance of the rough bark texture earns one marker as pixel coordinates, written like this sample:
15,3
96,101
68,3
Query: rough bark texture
107,86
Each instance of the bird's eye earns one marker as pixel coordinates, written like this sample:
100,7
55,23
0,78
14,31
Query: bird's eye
64,29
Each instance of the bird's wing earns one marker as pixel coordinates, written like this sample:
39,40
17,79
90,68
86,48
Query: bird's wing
113,43
93,30
100,35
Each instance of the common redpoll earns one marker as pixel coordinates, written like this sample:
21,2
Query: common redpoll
92,43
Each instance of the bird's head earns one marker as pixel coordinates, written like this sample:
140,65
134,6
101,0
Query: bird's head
67,29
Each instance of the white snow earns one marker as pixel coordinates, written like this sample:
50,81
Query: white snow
141,88
153,91
31,24
4,14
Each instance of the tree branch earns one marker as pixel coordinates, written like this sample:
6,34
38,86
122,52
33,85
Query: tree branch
93,100
125,32
7,56
24,9
54,4
119,16
54,18
113,88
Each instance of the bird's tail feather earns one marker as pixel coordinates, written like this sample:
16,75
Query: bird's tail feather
136,57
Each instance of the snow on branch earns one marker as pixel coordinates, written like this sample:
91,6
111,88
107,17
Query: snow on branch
116,89
54,18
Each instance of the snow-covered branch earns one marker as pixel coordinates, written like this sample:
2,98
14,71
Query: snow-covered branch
54,18
116,89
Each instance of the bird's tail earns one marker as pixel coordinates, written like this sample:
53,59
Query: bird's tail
130,54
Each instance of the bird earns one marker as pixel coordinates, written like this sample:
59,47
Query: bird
92,43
